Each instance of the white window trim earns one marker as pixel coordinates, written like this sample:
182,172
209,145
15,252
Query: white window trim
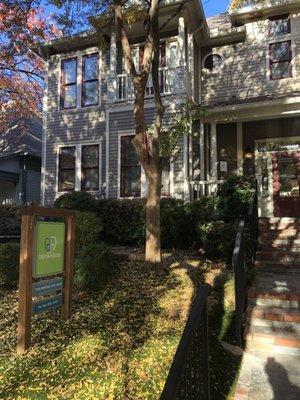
78,171
79,57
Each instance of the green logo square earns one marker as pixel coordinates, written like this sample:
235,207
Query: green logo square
50,248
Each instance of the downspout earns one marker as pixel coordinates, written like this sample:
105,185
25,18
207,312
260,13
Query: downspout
23,169
45,119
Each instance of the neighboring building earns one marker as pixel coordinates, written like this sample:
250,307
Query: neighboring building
243,67
20,162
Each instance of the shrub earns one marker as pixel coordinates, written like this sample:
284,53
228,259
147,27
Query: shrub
123,221
78,201
9,264
217,239
94,267
235,196
87,229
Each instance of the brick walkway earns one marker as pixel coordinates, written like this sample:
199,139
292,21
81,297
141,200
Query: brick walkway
265,377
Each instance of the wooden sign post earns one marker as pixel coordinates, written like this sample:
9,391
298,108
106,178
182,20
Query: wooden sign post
47,248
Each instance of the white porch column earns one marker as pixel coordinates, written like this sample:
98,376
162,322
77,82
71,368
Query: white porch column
202,158
213,155
111,80
240,153
186,184
181,41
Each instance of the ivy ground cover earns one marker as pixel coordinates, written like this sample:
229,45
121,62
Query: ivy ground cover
120,342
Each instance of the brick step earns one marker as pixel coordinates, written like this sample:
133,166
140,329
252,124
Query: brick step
279,256
273,302
280,226
287,234
281,246
276,265
256,342
267,335
276,327
276,220
273,314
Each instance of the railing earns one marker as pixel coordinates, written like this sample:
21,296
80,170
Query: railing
243,257
172,81
188,378
204,188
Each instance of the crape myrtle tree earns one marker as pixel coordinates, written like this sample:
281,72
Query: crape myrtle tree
156,143
22,24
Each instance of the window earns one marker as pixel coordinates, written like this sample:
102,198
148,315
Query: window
90,168
212,62
280,60
69,83
130,169
165,181
66,175
280,25
90,80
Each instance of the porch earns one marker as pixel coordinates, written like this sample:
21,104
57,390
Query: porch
266,148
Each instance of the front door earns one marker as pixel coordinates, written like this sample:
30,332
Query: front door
286,183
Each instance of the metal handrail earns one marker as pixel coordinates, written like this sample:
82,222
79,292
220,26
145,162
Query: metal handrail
241,258
187,380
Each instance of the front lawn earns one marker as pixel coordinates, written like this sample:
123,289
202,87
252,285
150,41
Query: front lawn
120,342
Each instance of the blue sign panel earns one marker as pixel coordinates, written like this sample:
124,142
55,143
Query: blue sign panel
51,303
47,287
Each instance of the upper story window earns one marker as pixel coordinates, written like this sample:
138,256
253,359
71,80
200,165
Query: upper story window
90,80
280,25
90,167
280,60
69,83
213,62
66,173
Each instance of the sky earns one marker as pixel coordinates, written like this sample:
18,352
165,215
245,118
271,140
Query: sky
213,7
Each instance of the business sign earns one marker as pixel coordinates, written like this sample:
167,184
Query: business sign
48,304
47,249
50,248
47,287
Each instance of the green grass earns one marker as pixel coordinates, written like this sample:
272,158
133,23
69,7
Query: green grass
119,343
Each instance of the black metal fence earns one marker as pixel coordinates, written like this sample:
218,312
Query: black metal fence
188,378
243,257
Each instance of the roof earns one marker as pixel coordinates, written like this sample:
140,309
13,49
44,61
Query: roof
23,136
221,21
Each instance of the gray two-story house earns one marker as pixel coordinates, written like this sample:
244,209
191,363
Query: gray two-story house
243,67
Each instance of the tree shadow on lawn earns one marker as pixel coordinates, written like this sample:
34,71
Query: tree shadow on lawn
121,318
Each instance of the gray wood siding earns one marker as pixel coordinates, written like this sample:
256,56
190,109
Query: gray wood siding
245,71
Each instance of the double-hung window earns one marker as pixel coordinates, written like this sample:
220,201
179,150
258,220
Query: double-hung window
90,168
130,169
68,98
90,80
280,51
281,60
66,173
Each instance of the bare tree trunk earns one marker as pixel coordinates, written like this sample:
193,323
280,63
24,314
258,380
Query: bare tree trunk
153,236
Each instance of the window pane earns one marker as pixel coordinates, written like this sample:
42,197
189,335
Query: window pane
67,158
128,152
67,180
213,62
289,185
90,68
69,71
165,180
90,93
280,51
280,26
91,179
131,182
90,156
281,70
69,96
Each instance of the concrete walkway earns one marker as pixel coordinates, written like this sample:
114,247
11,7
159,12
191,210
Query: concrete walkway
269,377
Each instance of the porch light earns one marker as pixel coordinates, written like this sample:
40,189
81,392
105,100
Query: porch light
248,154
